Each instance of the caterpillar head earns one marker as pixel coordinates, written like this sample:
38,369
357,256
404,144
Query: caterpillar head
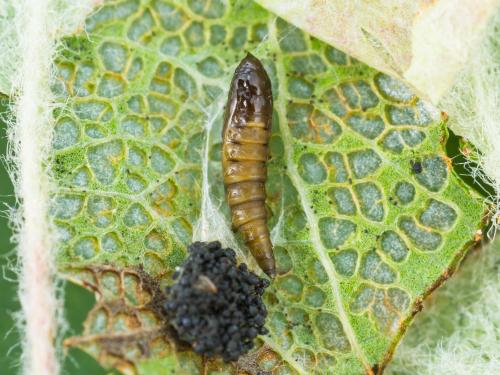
251,88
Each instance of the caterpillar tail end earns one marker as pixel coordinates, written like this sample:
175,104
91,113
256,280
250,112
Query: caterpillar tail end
271,273
268,265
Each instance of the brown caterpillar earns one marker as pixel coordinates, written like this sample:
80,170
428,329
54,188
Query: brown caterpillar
245,137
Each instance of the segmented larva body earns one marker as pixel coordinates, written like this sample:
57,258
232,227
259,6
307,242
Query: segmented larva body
245,137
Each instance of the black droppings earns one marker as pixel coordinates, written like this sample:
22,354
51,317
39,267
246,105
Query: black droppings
416,166
216,305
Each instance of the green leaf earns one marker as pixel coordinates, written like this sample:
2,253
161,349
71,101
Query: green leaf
404,38
366,214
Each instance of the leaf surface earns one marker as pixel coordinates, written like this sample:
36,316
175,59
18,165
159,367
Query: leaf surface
365,211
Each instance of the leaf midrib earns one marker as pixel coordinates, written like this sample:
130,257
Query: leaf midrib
317,245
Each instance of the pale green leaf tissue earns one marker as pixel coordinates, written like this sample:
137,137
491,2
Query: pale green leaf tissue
361,234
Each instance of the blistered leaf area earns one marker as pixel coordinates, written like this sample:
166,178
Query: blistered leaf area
365,212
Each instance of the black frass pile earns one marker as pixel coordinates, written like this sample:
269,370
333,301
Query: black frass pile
215,305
